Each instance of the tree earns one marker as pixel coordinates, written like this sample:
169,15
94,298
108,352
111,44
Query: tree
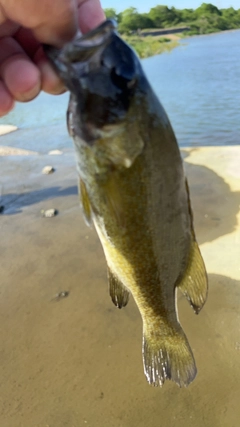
175,15
131,20
111,13
187,15
229,13
232,17
207,9
205,19
162,16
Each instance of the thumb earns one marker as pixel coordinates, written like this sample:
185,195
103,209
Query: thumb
51,21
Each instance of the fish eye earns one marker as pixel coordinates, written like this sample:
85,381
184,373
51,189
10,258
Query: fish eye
121,81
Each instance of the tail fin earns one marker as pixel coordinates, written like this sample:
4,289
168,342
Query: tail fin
168,358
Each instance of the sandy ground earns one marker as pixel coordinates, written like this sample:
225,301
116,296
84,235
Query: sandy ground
11,151
76,361
173,37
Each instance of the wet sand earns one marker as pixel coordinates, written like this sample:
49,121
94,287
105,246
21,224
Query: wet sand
11,151
76,361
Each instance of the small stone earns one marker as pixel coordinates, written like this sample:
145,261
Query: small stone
55,152
48,169
63,294
49,213
60,295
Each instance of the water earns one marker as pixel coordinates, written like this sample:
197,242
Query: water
198,84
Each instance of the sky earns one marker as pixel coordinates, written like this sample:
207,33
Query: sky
145,6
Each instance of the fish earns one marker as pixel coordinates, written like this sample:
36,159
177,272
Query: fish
133,189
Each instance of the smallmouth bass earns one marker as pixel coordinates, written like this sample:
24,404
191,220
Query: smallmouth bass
132,186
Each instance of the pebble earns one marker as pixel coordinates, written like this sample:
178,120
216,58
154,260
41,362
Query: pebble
48,169
49,213
60,295
63,294
55,152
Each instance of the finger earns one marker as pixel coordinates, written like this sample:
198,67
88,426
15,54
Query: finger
27,41
7,102
19,74
21,77
52,21
90,14
8,28
50,80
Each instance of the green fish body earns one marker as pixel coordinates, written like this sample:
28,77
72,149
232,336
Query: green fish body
132,186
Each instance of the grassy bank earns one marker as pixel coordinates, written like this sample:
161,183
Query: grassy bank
150,45
206,19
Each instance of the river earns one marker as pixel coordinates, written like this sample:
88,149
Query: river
198,83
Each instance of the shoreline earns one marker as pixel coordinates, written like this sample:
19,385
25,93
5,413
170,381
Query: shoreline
13,151
166,46
9,151
210,34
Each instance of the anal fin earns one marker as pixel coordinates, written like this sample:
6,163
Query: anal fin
194,283
117,290
84,199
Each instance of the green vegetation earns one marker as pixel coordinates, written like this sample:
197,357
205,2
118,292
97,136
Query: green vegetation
204,20
150,45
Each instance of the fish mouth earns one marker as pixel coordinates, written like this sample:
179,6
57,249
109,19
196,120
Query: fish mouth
82,47
101,72
95,38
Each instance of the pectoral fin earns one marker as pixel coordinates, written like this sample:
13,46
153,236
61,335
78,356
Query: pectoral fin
194,283
117,290
114,204
84,199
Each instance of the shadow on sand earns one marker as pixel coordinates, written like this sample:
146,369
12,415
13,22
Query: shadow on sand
15,202
215,206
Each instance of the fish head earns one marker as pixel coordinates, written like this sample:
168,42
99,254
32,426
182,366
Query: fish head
102,73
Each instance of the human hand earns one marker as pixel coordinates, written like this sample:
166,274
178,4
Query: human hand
24,26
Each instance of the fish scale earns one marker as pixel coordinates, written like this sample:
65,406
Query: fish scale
133,189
